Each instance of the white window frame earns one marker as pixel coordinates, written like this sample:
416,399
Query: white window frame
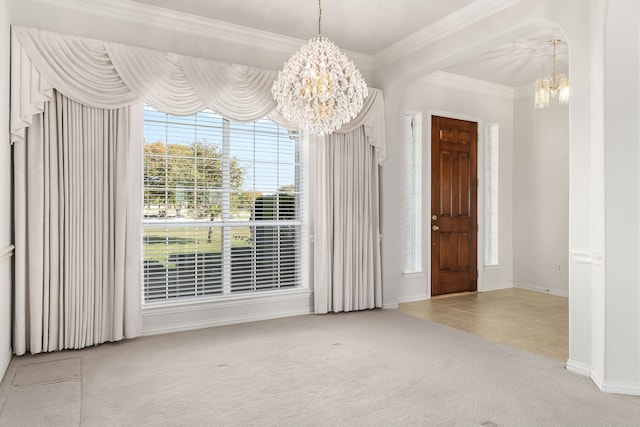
413,263
491,196
226,224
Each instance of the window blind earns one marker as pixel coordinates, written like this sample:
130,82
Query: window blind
222,206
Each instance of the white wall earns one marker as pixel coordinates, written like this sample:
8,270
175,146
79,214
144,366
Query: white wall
5,194
621,349
432,98
541,197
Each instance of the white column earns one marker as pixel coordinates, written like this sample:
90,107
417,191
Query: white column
621,356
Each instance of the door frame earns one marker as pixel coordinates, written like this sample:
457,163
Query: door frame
426,152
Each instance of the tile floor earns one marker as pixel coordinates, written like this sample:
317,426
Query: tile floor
522,319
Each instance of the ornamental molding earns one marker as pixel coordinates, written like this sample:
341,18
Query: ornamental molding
456,81
444,27
132,11
187,23
587,256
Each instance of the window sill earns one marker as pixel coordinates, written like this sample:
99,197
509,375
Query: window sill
414,275
184,315
220,300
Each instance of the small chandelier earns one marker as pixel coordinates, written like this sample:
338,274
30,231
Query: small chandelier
550,86
319,88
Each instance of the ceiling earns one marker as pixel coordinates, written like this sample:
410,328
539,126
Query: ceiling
517,63
380,24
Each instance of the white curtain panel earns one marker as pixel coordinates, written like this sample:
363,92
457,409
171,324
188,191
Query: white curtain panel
77,227
347,271
346,211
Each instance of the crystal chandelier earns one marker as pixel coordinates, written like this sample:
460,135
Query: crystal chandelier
550,86
319,88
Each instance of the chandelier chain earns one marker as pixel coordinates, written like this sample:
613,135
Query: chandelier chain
319,17
553,72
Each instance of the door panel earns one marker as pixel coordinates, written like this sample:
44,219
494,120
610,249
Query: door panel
464,201
454,206
446,179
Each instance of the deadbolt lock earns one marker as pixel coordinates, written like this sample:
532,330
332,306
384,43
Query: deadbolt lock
434,217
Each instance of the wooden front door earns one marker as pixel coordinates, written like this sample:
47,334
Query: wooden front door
454,193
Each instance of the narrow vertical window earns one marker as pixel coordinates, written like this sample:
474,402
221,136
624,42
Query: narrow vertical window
413,193
491,168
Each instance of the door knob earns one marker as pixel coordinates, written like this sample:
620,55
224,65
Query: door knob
435,227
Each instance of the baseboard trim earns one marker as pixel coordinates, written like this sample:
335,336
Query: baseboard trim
390,306
604,386
628,389
578,368
210,323
615,388
412,298
162,319
597,380
533,288
499,287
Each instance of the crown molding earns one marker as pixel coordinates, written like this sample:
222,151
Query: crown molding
456,81
452,23
186,23
140,13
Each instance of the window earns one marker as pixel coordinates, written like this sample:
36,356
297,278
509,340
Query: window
413,193
491,195
222,206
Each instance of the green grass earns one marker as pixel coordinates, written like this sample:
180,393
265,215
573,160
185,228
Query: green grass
160,243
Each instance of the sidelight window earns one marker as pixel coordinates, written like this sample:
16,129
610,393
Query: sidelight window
491,200
413,193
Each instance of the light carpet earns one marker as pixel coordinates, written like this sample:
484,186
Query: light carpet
375,368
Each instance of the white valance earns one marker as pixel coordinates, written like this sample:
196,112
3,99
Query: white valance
110,75
372,118
156,77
